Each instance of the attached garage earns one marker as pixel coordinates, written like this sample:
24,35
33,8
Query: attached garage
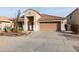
50,23
50,26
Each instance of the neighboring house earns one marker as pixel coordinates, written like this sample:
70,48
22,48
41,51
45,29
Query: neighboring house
73,19
34,21
4,21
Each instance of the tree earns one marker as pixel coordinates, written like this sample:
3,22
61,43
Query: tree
16,21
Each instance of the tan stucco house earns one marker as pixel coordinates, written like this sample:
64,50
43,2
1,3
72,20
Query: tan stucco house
35,21
73,19
4,21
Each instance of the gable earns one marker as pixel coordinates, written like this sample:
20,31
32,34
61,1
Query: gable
31,12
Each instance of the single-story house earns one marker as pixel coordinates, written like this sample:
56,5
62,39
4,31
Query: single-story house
32,20
4,21
73,20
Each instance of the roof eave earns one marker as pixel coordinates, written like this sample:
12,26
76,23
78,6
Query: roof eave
72,12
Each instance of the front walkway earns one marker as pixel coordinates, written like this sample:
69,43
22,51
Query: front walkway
36,42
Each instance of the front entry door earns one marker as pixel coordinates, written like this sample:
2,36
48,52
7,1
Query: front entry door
30,23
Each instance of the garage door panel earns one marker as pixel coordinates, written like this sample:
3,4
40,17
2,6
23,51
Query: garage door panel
48,26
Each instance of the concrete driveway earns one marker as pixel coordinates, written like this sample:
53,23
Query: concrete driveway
36,42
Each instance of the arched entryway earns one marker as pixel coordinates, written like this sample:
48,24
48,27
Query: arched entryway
30,23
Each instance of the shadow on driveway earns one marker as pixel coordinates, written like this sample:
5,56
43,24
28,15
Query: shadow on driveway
69,35
72,38
76,48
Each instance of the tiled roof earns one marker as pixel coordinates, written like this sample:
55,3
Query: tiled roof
3,18
20,19
73,12
45,17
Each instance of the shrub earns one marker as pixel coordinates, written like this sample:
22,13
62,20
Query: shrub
20,28
7,29
12,30
74,28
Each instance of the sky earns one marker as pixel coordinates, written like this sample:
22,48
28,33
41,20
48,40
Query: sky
56,11
42,3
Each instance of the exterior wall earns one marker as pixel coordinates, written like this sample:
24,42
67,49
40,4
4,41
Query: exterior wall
3,24
63,22
68,23
73,18
36,17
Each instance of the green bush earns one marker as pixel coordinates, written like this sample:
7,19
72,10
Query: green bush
74,28
20,28
12,30
7,29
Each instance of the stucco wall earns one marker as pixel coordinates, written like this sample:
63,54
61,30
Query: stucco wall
3,24
74,18
63,22
36,17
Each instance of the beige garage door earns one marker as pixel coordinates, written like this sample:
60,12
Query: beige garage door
49,26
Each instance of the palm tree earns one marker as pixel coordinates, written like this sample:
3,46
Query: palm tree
16,21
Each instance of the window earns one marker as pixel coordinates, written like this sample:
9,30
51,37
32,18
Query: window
70,16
